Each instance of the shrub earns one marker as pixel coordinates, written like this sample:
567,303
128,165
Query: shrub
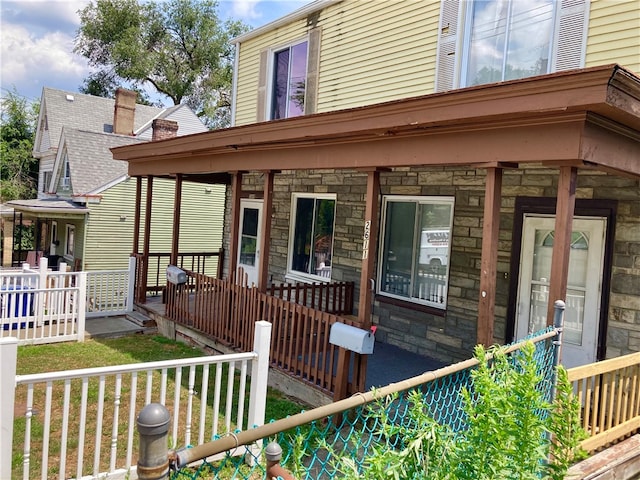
512,431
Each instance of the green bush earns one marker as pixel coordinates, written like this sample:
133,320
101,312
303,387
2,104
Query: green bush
512,431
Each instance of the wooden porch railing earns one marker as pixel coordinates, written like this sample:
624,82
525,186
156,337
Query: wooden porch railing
609,392
335,297
151,272
226,311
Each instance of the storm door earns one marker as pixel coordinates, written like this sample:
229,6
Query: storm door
249,240
584,284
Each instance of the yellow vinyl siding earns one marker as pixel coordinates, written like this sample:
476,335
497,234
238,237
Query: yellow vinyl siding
614,28
357,67
109,238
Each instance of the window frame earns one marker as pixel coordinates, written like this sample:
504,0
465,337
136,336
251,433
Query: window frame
297,275
69,246
417,200
568,43
271,75
467,38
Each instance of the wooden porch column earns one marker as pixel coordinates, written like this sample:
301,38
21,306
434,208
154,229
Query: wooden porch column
236,190
142,290
565,208
177,201
136,217
265,236
489,259
369,249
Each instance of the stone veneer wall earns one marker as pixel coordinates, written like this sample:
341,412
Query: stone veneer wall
450,336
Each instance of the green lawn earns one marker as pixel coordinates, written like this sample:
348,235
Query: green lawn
102,352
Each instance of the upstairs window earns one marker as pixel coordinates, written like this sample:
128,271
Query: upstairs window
311,236
46,182
488,41
289,81
507,40
416,248
65,179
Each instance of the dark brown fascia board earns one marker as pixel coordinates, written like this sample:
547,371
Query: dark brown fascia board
578,90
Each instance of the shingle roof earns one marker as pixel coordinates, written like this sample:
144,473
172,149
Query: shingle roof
86,112
91,163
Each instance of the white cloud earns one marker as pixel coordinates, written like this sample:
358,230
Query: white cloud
29,62
245,9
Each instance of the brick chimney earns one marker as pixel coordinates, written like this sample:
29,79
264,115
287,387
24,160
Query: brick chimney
163,129
124,111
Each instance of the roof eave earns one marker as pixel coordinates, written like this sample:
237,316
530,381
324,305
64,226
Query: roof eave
579,91
287,19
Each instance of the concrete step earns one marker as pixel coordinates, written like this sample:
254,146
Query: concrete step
140,319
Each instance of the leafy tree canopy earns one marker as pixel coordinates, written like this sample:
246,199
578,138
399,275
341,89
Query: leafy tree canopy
179,48
18,168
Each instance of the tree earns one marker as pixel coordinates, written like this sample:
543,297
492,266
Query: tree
18,168
180,48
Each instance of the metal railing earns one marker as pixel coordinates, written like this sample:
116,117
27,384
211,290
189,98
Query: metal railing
312,441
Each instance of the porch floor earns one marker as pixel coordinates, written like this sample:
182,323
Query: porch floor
387,364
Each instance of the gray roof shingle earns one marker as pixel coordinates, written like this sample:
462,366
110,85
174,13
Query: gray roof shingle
91,164
86,112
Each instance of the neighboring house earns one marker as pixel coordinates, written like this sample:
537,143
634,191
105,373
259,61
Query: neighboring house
84,213
466,163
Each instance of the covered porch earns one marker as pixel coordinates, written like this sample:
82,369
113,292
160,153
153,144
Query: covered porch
566,123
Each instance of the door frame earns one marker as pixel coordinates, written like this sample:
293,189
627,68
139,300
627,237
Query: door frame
547,205
257,203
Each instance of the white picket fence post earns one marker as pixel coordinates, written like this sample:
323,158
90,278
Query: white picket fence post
8,360
40,298
132,283
259,380
82,304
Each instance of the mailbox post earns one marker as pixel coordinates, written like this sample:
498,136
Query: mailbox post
348,339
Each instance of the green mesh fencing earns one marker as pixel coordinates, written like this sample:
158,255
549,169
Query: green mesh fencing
308,450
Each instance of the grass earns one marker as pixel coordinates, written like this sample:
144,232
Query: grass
102,352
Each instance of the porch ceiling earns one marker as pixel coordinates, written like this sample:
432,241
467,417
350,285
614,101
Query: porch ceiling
588,117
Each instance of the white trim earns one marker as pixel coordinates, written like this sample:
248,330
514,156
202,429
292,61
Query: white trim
419,199
270,62
297,275
70,230
36,152
58,164
234,86
292,17
108,185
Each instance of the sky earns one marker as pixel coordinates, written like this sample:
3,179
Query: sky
36,40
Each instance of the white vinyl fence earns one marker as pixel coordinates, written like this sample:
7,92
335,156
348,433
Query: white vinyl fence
43,306
82,423
110,292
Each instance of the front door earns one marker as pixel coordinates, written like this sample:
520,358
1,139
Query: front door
249,241
582,314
